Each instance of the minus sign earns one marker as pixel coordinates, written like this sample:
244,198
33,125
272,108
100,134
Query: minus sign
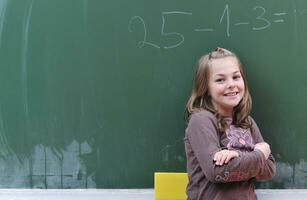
241,23
279,21
204,29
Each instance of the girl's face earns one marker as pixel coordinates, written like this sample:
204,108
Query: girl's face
226,85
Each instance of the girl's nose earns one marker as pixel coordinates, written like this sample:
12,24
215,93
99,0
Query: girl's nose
230,84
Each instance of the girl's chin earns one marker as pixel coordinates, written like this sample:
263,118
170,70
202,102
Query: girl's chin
230,106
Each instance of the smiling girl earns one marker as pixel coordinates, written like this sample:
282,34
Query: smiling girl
224,147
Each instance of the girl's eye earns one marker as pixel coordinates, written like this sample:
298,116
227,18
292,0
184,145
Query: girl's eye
220,80
237,77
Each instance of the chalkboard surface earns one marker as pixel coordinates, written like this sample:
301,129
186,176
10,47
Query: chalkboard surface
92,92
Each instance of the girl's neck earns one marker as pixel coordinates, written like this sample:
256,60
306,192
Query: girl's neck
225,114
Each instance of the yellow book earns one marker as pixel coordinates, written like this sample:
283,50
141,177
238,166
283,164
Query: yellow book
170,186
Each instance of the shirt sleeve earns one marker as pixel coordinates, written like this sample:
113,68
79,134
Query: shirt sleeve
204,139
269,169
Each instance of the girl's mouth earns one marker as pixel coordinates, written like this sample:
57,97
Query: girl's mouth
231,94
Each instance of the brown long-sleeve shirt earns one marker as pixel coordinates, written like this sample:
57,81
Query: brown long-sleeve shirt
230,181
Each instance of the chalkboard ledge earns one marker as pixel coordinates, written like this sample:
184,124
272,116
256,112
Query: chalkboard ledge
126,194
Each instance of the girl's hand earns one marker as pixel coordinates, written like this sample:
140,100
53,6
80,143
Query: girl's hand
264,148
224,156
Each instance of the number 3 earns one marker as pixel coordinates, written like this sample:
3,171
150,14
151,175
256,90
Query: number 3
260,17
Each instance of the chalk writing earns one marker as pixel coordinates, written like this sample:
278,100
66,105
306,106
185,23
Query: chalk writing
262,21
281,14
279,21
278,14
143,42
164,14
226,12
204,29
241,23
267,23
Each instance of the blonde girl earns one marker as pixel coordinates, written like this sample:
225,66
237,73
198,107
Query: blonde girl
224,147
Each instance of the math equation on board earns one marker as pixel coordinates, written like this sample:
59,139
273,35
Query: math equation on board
262,18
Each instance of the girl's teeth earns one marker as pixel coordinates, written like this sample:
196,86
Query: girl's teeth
231,94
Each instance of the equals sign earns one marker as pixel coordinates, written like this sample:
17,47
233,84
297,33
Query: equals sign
279,20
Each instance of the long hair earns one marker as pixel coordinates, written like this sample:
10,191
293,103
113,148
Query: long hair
200,98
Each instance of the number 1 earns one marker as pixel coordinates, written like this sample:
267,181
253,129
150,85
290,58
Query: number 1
226,12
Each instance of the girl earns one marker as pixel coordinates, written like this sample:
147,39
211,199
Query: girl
224,147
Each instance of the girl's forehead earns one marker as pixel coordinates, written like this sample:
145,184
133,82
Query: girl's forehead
224,65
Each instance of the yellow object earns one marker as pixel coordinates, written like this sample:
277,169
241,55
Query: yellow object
170,186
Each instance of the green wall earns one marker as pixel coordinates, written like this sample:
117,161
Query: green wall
92,92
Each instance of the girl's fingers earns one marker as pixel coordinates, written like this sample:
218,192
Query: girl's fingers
223,158
217,155
218,158
232,154
228,158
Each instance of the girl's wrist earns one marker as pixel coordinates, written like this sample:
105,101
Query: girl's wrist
261,152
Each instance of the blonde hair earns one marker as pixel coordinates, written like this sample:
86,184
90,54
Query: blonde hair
200,98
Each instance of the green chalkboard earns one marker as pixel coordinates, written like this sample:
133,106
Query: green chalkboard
92,92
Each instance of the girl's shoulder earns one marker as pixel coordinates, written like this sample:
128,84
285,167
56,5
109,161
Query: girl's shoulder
202,116
251,121
202,120
253,126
